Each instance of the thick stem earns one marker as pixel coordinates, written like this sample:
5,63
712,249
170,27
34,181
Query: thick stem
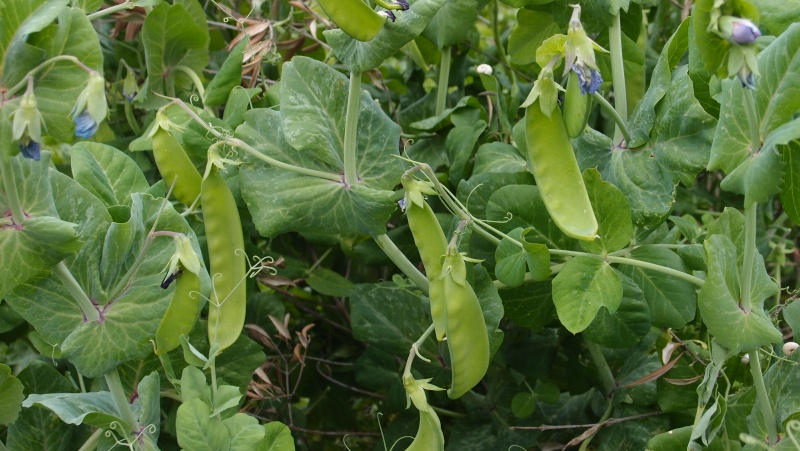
752,119
351,128
396,255
662,269
763,398
618,73
750,213
128,4
91,443
9,184
121,400
279,164
622,125
68,280
444,79
606,376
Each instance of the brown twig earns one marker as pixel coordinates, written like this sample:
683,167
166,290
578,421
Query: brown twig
608,422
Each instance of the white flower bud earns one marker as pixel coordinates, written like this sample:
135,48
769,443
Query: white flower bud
485,69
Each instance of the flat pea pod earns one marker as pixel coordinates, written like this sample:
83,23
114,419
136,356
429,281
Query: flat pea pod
467,339
181,314
226,310
429,433
577,107
176,167
557,173
354,17
432,246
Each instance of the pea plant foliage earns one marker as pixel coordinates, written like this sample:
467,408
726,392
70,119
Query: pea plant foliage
389,224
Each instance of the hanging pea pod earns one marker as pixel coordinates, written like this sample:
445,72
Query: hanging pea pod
432,246
175,166
355,18
429,433
467,339
557,174
181,314
577,106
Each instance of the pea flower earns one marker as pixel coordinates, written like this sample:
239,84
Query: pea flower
738,30
129,86
545,89
579,55
183,258
90,109
484,69
27,125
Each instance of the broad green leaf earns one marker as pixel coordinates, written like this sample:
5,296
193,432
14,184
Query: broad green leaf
244,431
283,201
277,437
228,77
107,173
376,370
498,157
198,430
38,428
529,305
149,390
678,439
434,123
18,21
781,380
720,299
524,3
791,314
95,408
476,192
460,142
172,37
363,56
387,317
11,395
491,306
88,6
32,248
582,288
713,48
533,27
777,15
627,325
9,319
238,104
612,212
524,206
630,435
512,260
774,89
643,117
672,301
329,283
313,113
194,385
226,398
523,404
451,24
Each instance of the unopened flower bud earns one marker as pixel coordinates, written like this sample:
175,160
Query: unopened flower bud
484,69
91,108
738,30
27,125
789,347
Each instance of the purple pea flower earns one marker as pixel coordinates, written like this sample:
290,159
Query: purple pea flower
30,149
85,126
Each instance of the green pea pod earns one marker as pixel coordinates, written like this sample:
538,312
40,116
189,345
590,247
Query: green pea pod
181,314
175,166
432,246
429,434
577,107
226,309
467,339
557,174
354,17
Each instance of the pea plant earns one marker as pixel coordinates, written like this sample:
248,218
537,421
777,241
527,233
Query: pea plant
389,224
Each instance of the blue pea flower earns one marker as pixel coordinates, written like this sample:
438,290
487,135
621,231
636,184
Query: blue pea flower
30,149
589,79
85,126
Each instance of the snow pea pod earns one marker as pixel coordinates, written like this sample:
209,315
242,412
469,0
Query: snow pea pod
181,313
577,107
226,309
429,433
432,246
557,174
354,17
176,167
467,339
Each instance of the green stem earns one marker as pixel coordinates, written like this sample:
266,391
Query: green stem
763,398
606,415
444,79
121,400
236,142
396,255
618,74
351,129
498,40
68,280
91,443
622,126
662,269
131,118
749,260
416,54
9,184
198,84
24,81
752,119
111,10
606,376
415,348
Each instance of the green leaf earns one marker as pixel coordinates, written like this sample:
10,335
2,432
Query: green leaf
149,390
512,259
363,56
387,317
781,380
612,212
721,303
672,301
498,157
228,77
491,306
107,173
459,144
777,15
244,431
523,404
277,437
329,283
20,20
38,428
172,37
791,314
582,288
11,395
95,409
198,430
451,24
194,385
627,325
529,305
533,27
